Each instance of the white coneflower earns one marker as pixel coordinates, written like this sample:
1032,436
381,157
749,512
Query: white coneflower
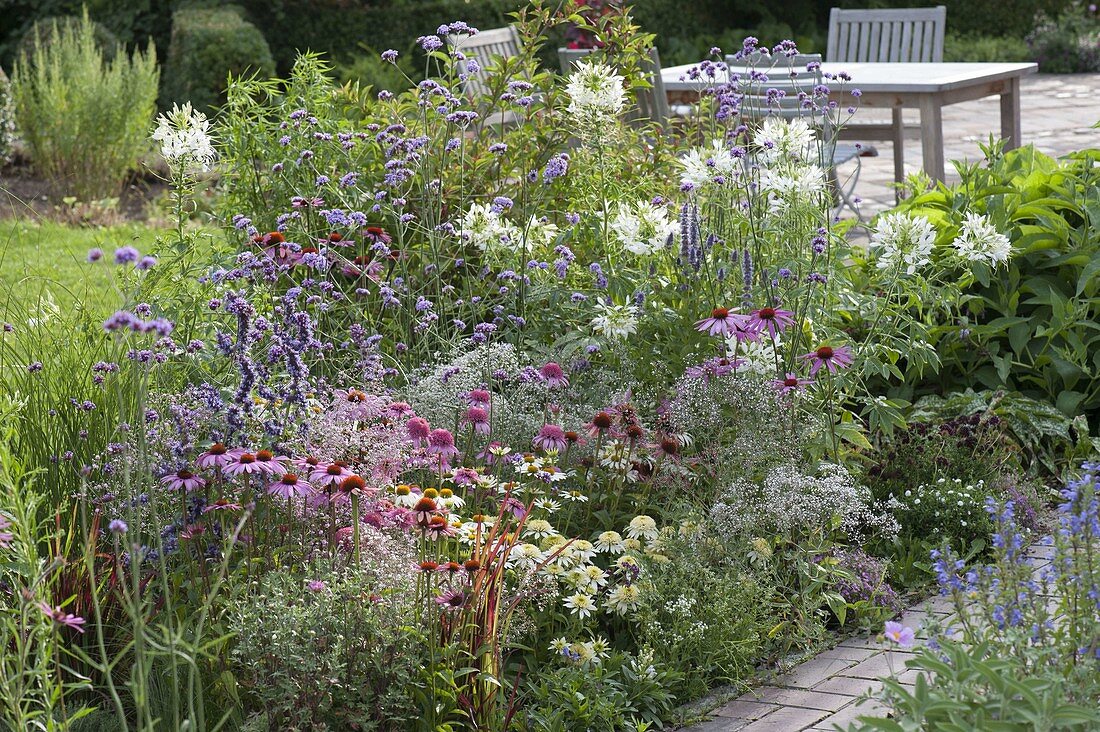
610,542
615,321
643,228
642,527
580,604
594,90
623,599
184,137
539,528
702,166
979,241
903,241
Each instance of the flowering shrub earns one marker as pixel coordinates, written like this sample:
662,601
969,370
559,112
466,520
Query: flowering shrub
948,508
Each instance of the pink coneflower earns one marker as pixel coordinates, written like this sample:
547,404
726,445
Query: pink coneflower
721,322
61,617
668,446
479,419
438,527
452,599
329,475
465,476
419,430
441,442
600,423
217,456
6,536
515,507
771,320
270,463
479,398
829,357
243,463
353,484
552,374
183,480
192,531
424,509
290,486
713,368
550,437
399,410
222,504
790,383
376,235
306,464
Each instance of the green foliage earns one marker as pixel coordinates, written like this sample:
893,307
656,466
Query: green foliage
706,618
7,119
991,48
1030,326
1068,43
45,32
1009,18
85,119
208,46
618,694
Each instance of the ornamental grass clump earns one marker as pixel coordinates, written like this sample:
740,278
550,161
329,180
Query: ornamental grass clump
84,118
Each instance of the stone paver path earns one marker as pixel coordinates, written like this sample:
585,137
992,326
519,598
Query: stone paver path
825,692
1056,113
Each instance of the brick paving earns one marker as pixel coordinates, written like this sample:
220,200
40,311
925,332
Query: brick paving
832,689
1057,112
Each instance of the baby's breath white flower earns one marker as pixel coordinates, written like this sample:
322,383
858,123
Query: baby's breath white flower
595,89
643,228
642,527
979,241
580,604
609,542
705,165
903,241
779,139
623,599
615,321
184,137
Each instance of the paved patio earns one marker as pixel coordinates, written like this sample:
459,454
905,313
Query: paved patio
1057,113
832,687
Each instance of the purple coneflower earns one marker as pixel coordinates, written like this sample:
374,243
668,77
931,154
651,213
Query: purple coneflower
290,486
452,599
771,320
465,476
183,479
790,382
721,322
330,475
600,423
829,357
438,527
270,463
479,419
306,464
550,437
243,463
61,617
215,457
713,368
222,504
419,430
399,410
441,442
553,375
479,398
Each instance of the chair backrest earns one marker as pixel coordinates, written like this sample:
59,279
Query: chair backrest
789,80
485,48
652,103
899,35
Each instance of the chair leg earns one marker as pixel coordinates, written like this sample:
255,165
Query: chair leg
842,195
899,149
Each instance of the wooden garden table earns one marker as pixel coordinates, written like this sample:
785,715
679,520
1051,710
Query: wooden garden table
925,86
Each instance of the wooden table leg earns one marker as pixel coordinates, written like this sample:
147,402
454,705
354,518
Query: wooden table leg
898,120
931,136
1010,113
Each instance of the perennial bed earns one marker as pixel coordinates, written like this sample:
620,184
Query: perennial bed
544,426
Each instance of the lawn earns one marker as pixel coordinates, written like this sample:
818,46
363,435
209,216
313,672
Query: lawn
46,259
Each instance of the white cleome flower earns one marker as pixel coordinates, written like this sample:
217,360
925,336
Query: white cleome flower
779,139
709,164
903,241
793,184
595,89
978,241
539,232
643,228
615,321
184,137
485,229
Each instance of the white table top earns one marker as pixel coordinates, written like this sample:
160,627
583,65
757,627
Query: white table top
883,77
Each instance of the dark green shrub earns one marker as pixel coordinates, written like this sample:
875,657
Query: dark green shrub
44,31
974,47
1030,326
209,44
1069,43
